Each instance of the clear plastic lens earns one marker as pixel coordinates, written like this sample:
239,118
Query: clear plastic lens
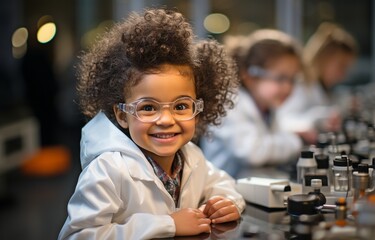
150,110
184,107
147,108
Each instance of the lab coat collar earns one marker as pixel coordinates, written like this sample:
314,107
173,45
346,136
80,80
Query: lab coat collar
100,135
140,168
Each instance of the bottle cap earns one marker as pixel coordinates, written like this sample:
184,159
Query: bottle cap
342,161
322,143
355,165
363,168
307,154
322,161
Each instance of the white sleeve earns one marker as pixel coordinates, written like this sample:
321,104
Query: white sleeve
96,202
250,142
304,108
219,183
212,181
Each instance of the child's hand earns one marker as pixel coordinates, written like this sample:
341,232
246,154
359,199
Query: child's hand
220,210
191,221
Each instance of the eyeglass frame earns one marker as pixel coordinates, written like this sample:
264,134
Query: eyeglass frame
130,108
260,72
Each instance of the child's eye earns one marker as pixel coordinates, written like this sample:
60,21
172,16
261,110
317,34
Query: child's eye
147,107
181,106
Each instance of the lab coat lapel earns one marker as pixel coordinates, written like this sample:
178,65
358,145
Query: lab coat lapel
140,169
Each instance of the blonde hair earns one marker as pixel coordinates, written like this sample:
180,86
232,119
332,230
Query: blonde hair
327,39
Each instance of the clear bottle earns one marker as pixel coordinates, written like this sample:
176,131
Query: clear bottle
305,164
342,174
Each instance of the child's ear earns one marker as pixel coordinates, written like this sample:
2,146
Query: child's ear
120,117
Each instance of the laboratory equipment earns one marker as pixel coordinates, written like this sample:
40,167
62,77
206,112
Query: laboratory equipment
306,164
266,192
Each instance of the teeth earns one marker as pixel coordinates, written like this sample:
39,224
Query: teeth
164,135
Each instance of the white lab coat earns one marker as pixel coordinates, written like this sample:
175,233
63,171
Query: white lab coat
118,195
305,108
244,139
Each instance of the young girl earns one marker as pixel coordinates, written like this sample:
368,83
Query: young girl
268,62
147,86
328,55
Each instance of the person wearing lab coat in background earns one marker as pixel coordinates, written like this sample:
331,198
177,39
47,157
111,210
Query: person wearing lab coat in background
268,63
147,88
328,55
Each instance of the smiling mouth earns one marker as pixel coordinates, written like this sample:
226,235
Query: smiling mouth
164,136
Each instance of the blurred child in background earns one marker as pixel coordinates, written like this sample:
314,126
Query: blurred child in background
328,55
268,64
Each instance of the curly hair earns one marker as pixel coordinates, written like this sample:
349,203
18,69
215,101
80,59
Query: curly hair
216,82
140,45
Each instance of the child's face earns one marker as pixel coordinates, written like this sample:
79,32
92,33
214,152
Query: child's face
161,139
271,92
334,67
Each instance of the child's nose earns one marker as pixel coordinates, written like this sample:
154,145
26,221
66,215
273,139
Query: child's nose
166,117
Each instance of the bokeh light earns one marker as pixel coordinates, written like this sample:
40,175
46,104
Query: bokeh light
46,32
19,42
19,37
216,23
